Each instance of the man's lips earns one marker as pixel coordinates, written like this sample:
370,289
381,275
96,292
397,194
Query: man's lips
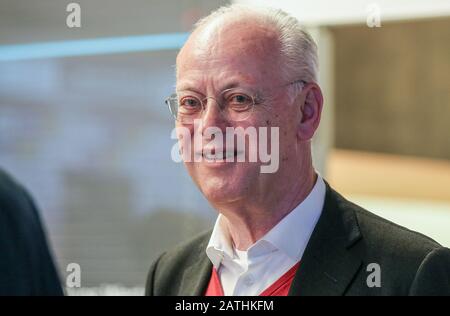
218,155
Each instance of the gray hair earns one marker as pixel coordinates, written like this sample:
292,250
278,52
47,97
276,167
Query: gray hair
298,49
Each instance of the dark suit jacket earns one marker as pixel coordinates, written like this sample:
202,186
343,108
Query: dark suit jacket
344,242
26,266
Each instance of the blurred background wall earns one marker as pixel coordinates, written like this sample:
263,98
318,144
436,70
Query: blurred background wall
89,135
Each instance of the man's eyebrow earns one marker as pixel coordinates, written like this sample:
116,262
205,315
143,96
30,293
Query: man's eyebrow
237,83
188,86
230,85
190,89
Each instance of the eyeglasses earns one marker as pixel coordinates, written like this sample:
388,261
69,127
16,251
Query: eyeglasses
235,104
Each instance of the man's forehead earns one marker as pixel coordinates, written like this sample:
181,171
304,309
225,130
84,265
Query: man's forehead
237,71
251,48
221,39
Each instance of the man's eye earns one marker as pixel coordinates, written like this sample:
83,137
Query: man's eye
190,103
239,102
240,99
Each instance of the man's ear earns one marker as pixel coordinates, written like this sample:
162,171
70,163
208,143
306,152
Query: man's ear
311,109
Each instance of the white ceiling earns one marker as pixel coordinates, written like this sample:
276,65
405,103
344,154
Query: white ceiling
332,12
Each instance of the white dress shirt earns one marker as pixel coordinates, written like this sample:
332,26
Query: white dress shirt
251,272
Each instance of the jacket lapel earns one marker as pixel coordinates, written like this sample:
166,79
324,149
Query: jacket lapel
333,255
196,276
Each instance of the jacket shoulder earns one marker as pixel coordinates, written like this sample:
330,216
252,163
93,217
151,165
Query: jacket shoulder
399,251
380,231
391,236
185,250
12,194
168,268
433,276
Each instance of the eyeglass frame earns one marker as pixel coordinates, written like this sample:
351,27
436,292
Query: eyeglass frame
253,97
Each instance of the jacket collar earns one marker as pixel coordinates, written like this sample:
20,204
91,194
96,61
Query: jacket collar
331,259
196,276
333,255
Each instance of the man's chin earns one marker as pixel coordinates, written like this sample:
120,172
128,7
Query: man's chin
222,195
225,187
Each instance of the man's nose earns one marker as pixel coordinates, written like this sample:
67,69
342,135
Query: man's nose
213,114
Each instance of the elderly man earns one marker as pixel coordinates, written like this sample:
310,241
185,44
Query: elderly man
285,232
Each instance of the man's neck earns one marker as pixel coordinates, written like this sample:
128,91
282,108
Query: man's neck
247,223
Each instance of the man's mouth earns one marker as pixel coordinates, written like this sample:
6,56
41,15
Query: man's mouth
221,156
217,156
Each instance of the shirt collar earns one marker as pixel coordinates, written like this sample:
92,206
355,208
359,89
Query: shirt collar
290,235
220,243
